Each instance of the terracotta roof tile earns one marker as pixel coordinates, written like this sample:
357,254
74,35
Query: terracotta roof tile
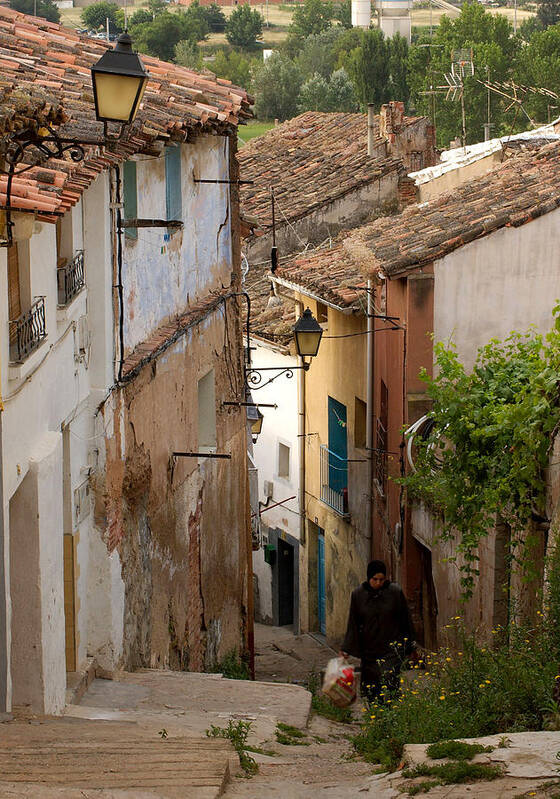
524,187
310,160
48,67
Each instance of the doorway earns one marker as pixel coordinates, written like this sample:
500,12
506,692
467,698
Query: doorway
285,583
321,584
429,607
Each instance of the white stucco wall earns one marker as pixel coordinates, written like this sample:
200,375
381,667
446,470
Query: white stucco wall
280,425
163,272
506,281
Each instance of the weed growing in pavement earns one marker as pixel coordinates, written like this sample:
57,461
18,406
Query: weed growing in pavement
237,732
470,692
456,750
257,750
323,706
420,787
456,772
290,736
233,666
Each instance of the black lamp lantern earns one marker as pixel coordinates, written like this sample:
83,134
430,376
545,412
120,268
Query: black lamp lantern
119,80
256,424
307,334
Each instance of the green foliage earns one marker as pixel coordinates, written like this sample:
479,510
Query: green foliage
237,732
495,49
398,57
473,692
456,750
278,82
215,18
290,736
548,12
331,94
161,36
244,27
455,773
319,55
188,54
95,16
342,12
45,9
539,65
368,67
156,7
497,423
311,17
232,666
235,66
140,15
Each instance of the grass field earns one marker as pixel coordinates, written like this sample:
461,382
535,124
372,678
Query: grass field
247,132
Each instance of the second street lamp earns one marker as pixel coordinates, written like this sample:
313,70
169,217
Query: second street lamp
119,80
307,335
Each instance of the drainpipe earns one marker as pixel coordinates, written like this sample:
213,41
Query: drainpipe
370,128
301,439
5,638
370,409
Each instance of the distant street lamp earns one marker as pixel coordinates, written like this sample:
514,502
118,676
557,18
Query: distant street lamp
307,335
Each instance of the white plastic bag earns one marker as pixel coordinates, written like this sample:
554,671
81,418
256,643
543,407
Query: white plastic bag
340,682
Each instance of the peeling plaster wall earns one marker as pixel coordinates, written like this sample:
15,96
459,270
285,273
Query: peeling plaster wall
164,272
180,525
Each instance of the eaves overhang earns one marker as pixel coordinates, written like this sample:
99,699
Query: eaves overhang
344,309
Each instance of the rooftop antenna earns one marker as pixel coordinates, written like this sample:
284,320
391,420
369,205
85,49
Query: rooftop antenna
462,66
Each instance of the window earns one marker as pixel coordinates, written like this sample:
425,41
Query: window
360,421
173,197
207,413
322,313
283,461
130,197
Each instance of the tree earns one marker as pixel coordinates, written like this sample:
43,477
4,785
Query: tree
140,16
539,65
196,19
398,68
156,7
44,8
277,82
312,17
215,18
335,93
343,13
188,54
368,67
96,15
235,67
319,55
495,49
244,26
548,12
161,36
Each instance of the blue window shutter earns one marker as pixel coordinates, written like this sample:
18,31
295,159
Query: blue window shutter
130,197
173,198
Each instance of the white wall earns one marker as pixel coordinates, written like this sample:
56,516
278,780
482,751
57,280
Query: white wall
163,272
280,425
506,281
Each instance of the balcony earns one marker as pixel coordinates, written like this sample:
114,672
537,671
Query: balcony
334,480
70,279
27,331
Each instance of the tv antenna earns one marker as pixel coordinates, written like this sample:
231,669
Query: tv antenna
462,66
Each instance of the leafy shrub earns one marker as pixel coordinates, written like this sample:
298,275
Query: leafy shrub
237,732
233,666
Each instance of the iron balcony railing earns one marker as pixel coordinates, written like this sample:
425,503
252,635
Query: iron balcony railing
27,331
380,457
71,279
334,480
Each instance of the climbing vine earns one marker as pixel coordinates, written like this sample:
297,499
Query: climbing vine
486,454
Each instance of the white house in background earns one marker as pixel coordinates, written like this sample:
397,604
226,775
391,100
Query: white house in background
117,345
278,593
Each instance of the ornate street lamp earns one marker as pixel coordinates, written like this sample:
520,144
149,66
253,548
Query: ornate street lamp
256,420
307,335
119,80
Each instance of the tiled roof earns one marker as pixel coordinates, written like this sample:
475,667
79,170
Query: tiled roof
274,324
310,161
167,334
41,56
329,273
524,187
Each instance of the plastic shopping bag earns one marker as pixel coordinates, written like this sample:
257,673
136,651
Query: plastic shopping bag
340,682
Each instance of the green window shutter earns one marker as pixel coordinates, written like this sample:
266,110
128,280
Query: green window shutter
173,198
130,197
